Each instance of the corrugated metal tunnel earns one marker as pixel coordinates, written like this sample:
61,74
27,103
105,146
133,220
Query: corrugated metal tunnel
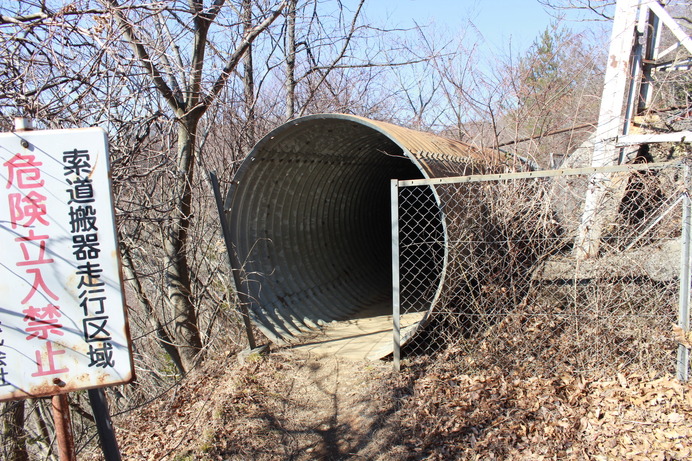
309,217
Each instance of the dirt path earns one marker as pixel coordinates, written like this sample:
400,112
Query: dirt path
290,405
314,407
287,405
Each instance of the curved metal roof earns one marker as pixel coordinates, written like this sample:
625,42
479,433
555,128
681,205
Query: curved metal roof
308,212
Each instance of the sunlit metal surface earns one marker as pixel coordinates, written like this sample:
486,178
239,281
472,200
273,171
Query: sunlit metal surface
308,212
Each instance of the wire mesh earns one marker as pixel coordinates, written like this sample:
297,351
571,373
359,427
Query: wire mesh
498,263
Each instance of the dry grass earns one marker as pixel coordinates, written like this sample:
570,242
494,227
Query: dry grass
295,407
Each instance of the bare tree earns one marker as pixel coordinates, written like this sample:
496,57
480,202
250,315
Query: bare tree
598,9
290,39
248,78
188,103
555,87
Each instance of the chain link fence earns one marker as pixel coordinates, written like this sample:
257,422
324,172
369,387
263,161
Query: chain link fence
496,276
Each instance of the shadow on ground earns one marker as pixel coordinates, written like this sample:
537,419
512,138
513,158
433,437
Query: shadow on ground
296,406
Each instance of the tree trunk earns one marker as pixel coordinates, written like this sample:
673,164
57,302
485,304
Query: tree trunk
189,106
13,431
162,337
290,83
187,334
248,78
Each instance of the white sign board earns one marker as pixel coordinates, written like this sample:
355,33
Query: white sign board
63,325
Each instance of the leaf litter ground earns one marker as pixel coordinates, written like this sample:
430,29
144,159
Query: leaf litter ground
294,406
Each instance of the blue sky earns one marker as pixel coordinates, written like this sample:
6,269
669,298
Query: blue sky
497,21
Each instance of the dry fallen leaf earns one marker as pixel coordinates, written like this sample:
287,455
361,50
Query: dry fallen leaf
682,337
675,418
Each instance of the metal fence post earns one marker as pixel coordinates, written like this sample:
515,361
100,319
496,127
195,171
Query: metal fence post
396,288
104,425
683,359
63,428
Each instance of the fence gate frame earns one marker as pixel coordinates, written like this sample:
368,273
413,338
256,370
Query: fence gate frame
685,282
626,92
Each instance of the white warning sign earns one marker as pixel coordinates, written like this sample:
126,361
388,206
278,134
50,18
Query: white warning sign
62,319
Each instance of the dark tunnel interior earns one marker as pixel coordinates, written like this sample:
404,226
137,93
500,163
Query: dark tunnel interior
309,214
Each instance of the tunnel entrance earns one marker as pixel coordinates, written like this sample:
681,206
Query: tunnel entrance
309,214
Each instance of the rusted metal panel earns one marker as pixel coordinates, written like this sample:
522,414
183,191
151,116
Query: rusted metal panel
438,156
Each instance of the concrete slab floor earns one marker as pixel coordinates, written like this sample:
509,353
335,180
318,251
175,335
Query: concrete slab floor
356,339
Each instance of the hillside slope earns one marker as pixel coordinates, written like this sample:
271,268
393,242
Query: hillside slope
293,406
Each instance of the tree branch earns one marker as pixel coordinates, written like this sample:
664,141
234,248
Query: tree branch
144,58
23,19
162,337
237,54
339,57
